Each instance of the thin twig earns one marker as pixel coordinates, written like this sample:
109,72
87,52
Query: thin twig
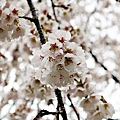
77,114
27,18
62,6
60,104
53,8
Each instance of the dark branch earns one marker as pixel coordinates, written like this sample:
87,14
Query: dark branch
60,104
96,60
117,0
53,8
43,113
35,20
62,6
115,78
111,119
57,115
27,18
39,0
77,114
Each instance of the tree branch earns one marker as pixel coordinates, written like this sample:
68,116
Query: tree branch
60,104
36,21
57,115
53,8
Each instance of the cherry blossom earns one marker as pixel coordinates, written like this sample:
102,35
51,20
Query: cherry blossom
10,25
71,49
59,60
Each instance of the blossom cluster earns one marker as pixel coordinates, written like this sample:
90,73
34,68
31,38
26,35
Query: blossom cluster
10,26
59,62
93,104
20,111
99,110
32,87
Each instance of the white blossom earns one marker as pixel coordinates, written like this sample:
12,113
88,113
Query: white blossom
59,60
